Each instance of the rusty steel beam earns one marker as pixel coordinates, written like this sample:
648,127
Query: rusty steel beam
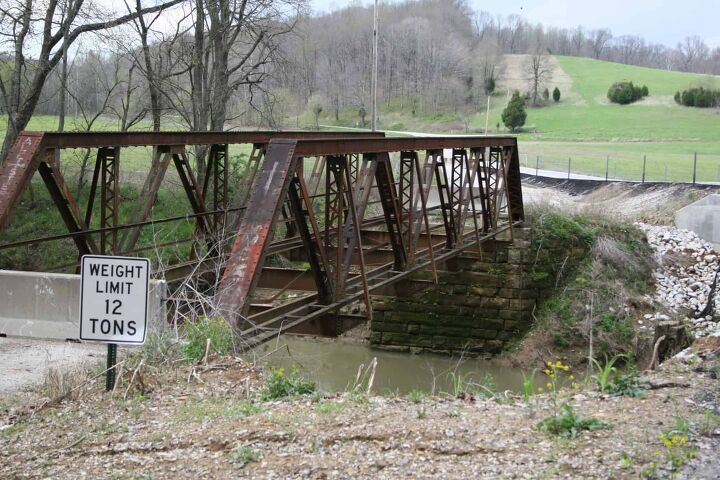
138,139
347,146
254,234
15,174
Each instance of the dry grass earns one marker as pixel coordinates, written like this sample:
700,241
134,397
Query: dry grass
64,383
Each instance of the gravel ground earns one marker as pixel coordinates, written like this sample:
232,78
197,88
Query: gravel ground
25,360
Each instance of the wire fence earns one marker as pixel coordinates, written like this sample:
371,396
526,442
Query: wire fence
671,168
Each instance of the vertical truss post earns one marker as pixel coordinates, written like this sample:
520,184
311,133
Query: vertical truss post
505,167
336,206
290,226
470,178
354,161
482,181
109,198
217,171
407,196
458,191
441,180
391,209
492,179
515,186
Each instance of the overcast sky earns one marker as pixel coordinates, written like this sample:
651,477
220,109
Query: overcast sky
658,21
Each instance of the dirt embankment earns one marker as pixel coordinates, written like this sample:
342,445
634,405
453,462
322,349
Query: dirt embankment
209,422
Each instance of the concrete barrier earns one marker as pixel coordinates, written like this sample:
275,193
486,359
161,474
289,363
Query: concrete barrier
702,217
47,305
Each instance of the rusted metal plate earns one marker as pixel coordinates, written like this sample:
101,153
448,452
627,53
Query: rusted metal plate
16,172
268,194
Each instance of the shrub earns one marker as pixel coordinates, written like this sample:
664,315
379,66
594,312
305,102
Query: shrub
546,94
556,94
625,93
514,115
280,384
678,98
699,97
216,330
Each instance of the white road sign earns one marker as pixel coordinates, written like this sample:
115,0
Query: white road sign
113,299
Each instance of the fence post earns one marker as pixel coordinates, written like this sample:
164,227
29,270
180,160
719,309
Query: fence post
644,163
607,167
694,168
537,165
569,162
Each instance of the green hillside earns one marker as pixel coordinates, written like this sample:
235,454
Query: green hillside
588,116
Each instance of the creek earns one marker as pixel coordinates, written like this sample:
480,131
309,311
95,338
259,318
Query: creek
333,365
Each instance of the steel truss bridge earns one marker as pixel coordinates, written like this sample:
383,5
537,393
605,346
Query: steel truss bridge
354,213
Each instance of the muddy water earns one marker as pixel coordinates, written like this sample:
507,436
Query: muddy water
333,365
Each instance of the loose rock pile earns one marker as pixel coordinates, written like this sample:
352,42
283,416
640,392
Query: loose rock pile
687,269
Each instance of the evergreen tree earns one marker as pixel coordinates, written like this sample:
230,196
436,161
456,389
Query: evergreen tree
556,94
514,115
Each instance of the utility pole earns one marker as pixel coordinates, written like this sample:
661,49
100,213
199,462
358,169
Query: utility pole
375,67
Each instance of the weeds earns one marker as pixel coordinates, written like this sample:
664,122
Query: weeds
242,456
280,384
528,385
216,330
161,347
627,384
457,383
421,413
416,396
605,373
563,421
677,452
567,424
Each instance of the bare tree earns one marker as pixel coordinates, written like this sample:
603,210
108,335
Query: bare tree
692,51
53,26
578,40
538,70
599,41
